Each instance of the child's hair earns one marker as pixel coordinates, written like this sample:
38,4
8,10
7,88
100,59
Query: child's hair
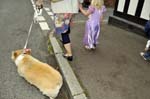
97,3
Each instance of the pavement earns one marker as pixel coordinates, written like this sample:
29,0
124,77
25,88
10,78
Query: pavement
115,69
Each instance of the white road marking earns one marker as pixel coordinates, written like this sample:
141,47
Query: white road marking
32,1
44,26
46,9
41,18
52,17
34,6
50,13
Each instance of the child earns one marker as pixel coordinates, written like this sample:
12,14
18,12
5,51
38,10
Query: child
146,54
62,26
92,29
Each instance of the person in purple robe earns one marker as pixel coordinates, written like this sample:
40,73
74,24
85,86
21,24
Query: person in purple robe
95,13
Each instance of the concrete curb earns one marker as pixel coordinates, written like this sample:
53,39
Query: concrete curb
75,89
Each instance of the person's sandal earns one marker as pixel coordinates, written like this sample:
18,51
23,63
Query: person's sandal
69,58
87,47
142,54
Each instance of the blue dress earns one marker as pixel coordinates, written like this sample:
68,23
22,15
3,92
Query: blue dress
147,29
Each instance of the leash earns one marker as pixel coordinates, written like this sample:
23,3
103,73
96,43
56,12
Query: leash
37,12
29,32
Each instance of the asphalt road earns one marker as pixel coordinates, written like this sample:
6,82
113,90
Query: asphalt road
15,19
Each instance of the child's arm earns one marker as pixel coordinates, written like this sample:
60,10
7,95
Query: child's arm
86,13
101,19
147,27
103,13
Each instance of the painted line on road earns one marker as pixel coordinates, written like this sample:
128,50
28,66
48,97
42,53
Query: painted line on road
49,13
46,9
32,1
41,18
44,26
52,17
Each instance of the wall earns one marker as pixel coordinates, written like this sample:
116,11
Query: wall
136,11
110,3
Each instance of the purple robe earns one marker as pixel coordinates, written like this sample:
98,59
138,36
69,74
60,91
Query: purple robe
92,27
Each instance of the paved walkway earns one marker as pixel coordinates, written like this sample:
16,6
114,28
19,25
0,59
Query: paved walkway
114,70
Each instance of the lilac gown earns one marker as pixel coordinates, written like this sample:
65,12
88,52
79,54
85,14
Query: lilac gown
92,27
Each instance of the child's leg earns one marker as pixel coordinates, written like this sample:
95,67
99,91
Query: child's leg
96,35
67,44
146,55
93,36
89,36
85,38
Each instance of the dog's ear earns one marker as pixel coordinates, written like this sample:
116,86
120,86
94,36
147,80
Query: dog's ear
14,55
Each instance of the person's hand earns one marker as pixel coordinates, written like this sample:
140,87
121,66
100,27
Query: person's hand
80,6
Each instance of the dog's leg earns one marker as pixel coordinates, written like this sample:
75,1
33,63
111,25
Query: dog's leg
57,68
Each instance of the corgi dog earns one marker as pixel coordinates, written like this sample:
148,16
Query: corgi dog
43,76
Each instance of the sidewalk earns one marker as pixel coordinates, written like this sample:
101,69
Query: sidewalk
115,69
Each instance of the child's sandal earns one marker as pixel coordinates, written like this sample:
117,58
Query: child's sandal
87,47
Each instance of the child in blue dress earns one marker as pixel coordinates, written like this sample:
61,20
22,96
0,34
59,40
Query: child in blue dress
62,26
147,28
146,53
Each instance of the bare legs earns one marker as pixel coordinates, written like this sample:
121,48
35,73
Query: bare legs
68,49
67,45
